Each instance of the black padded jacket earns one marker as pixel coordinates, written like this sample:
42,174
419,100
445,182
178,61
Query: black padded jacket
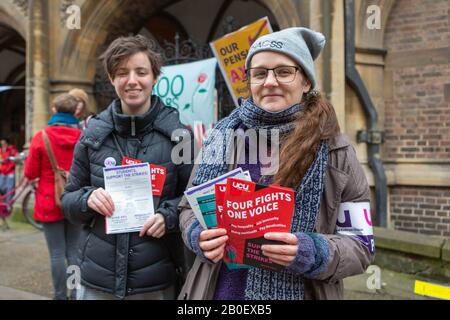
126,264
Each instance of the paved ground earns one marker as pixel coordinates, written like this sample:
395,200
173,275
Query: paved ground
394,286
25,271
24,262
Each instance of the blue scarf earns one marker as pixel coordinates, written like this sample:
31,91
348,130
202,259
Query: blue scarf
217,153
264,284
63,118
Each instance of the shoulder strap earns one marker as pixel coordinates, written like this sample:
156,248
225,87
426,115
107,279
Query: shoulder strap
50,153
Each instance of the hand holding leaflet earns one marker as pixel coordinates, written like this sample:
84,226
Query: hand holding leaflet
220,197
251,210
101,202
131,192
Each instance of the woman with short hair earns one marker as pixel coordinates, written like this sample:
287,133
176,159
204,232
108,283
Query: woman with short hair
137,125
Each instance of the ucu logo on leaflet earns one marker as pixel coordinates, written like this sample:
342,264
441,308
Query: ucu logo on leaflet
240,186
128,161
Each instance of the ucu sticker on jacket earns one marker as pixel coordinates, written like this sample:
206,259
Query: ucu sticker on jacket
355,220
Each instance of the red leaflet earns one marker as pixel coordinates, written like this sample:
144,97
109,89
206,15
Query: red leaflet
249,211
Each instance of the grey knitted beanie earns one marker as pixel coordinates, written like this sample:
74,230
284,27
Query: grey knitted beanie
301,44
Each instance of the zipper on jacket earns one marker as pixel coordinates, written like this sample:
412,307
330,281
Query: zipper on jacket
133,126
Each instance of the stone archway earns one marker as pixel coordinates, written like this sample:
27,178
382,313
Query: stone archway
371,38
11,16
106,20
103,22
287,12
12,73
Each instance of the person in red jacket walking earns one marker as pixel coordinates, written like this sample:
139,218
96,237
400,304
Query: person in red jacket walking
61,235
7,167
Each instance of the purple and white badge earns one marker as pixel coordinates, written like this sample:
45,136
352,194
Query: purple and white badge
355,220
110,162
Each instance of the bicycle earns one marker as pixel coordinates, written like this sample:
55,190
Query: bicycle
27,189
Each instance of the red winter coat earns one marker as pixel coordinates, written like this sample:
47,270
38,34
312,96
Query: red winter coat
37,165
7,167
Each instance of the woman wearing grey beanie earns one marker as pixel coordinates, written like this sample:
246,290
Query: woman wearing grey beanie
331,231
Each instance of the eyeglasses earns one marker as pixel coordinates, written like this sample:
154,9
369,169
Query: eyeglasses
283,74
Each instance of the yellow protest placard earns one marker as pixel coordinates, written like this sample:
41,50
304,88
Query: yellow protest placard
231,51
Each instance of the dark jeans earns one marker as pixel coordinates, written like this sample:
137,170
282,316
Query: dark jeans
62,241
7,183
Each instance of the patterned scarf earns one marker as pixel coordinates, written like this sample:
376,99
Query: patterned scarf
264,284
217,150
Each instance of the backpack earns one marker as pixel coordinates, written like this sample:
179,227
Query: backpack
61,176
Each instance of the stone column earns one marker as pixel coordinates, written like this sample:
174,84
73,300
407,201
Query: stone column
316,24
328,17
37,95
337,62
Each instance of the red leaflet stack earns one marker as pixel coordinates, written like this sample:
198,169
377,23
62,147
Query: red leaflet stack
249,211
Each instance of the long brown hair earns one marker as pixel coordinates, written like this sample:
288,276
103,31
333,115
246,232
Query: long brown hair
317,121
